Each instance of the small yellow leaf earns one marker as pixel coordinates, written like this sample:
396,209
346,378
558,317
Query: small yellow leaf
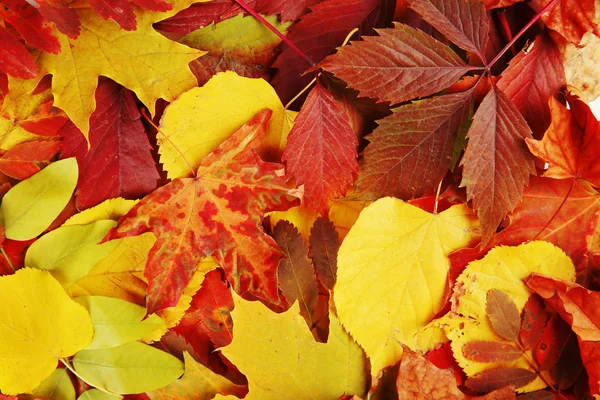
31,205
197,122
392,273
57,386
503,268
302,218
70,252
109,209
281,359
39,325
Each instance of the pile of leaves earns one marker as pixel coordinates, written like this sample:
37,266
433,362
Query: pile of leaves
420,220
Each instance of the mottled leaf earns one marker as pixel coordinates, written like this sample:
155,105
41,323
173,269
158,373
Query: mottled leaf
26,159
491,352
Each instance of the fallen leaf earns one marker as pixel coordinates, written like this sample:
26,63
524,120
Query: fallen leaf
57,386
30,24
534,319
26,159
491,352
503,314
324,246
571,19
494,379
14,57
112,209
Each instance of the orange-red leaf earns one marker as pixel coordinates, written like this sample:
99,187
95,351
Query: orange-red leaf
571,144
28,21
497,378
491,352
26,159
572,19
66,19
218,213
534,319
503,314
324,246
14,57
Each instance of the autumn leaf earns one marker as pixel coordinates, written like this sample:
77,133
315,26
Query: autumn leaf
493,379
30,24
391,235
28,158
534,319
14,57
118,139
571,143
324,246
28,298
503,314
571,19
497,133
226,225
491,352
266,344
58,386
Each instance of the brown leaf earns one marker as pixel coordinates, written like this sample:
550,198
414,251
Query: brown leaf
497,378
491,352
503,314
533,321
324,246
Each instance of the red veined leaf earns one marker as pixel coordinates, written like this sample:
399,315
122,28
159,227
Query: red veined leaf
26,159
15,58
503,314
324,246
491,352
28,21
497,378
199,15
66,19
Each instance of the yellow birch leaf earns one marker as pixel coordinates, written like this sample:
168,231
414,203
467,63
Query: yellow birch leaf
503,268
202,118
197,383
57,386
121,273
70,252
117,322
142,60
31,205
40,324
281,360
392,273
108,209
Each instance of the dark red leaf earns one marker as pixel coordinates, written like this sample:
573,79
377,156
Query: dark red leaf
534,319
497,378
553,340
569,366
14,57
491,352
324,246
199,15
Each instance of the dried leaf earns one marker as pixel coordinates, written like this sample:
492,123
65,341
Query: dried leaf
493,379
324,246
491,352
503,314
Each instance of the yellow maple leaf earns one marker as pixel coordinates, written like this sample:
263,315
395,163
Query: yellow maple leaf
392,273
39,325
142,60
198,122
281,359
503,268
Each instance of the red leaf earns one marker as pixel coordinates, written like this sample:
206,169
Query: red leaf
321,149
119,11
14,57
497,378
503,314
532,78
443,358
569,366
12,257
534,319
464,22
46,120
289,10
411,150
398,65
66,19
490,352
553,340
572,19
216,213
118,163
27,20
324,246
26,159
317,34
198,15
154,5
572,142
496,162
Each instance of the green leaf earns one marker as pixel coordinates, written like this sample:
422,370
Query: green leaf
131,368
31,205
57,386
95,394
70,252
117,322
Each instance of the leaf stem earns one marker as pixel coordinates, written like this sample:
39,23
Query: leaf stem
506,27
300,93
266,23
519,34
437,197
70,368
7,259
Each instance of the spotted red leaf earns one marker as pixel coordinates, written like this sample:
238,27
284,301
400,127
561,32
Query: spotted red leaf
15,58
491,352
324,246
497,163
411,150
321,149
218,213
26,159
118,143
398,65
572,19
497,378
503,314
534,319
464,22
32,26
532,77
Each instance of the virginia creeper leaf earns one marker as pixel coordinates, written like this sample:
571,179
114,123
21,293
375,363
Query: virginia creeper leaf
391,235
320,370
322,149
497,378
31,343
216,213
503,314
15,58
486,351
31,205
398,65
496,162
324,246
26,159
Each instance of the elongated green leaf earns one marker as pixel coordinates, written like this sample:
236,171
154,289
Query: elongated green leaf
70,252
117,322
95,394
31,205
57,386
130,368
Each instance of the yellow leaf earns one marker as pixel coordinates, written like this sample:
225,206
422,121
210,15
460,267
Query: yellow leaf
503,268
281,359
31,205
302,218
121,273
39,325
142,60
202,118
197,383
344,213
392,273
57,386
70,252
108,209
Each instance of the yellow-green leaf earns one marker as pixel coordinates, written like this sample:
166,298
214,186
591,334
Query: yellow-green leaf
95,394
503,268
31,205
281,359
70,252
39,324
131,368
108,209
392,273
197,383
57,386
117,322
202,118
